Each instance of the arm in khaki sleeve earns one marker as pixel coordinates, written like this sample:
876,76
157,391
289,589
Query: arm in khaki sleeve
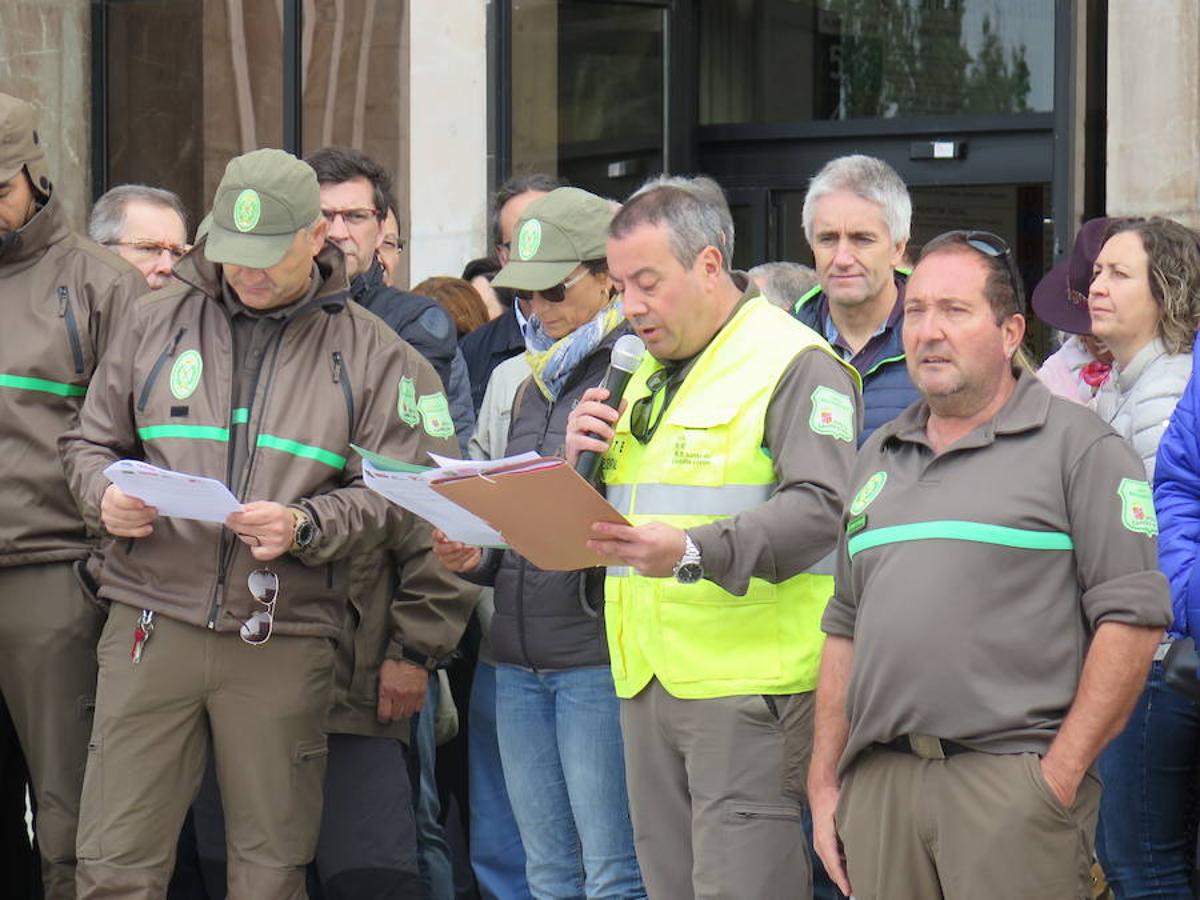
798,526
106,430
431,606
831,723
831,728
353,518
1125,600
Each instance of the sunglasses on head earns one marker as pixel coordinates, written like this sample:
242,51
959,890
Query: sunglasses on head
993,245
264,587
556,294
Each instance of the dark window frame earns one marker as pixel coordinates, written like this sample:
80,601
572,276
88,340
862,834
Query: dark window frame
293,87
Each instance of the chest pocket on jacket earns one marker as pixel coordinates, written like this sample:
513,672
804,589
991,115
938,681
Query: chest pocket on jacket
701,439
156,370
66,312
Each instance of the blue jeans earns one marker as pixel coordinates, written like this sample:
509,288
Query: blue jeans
497,857
433,852
560,742
1145,838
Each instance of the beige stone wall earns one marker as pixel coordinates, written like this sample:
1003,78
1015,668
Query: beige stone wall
1153,141
446,135
45,57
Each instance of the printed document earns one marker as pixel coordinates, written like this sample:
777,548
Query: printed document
174,493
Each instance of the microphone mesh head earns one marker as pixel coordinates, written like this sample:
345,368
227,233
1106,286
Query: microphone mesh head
627,353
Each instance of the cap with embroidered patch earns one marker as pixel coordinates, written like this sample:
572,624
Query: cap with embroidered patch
20,147
264,198
555,234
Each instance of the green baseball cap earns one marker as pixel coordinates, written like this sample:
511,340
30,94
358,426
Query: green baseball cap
556,233
264,198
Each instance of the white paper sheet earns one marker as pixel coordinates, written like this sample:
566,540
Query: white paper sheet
174,493
413,492
451,468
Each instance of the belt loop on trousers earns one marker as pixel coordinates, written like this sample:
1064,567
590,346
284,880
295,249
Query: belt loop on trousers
1160,652
926,746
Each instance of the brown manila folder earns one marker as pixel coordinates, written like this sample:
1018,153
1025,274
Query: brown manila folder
544,509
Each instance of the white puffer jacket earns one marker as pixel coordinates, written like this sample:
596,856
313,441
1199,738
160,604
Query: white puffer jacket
1138,401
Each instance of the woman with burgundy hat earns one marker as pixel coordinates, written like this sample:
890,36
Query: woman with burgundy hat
1082,364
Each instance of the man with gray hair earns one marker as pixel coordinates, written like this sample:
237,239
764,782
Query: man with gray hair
146,226
783,282
730,460
857,215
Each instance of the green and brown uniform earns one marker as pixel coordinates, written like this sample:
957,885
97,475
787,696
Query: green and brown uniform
971,583
268,403
64,299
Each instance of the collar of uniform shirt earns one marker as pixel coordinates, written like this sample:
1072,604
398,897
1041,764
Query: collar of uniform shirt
1028,408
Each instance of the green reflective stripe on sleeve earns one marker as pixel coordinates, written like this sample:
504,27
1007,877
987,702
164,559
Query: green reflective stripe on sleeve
240,416
303,450
25,383
976,532
188,432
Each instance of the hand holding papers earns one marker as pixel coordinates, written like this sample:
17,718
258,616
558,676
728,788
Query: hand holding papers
540,505
174,493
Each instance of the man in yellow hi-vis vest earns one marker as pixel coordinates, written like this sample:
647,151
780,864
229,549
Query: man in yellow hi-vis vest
730,458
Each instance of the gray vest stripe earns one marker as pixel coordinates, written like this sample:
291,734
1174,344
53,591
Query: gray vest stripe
687,499
620,496
619,571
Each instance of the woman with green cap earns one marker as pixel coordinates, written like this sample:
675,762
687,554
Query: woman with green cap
557,714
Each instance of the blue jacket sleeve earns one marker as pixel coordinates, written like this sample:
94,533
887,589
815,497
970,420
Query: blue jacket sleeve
1177,504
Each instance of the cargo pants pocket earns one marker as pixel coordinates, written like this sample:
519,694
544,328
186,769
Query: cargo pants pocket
91,807
307,790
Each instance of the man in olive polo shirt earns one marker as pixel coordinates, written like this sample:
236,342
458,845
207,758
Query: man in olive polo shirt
997,605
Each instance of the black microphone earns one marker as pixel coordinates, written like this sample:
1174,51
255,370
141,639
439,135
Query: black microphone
627,355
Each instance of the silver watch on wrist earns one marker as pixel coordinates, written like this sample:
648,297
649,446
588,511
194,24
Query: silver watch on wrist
688,570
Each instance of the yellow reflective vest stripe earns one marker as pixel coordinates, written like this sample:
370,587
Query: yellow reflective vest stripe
706,462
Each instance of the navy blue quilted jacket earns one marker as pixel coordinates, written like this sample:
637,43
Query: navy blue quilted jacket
887,389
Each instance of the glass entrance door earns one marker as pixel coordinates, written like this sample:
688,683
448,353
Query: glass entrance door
589,88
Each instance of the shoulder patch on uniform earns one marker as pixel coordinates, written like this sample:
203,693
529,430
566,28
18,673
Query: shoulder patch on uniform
832,414
185,374
1137,506
867,493
406,403
436,321
435,415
